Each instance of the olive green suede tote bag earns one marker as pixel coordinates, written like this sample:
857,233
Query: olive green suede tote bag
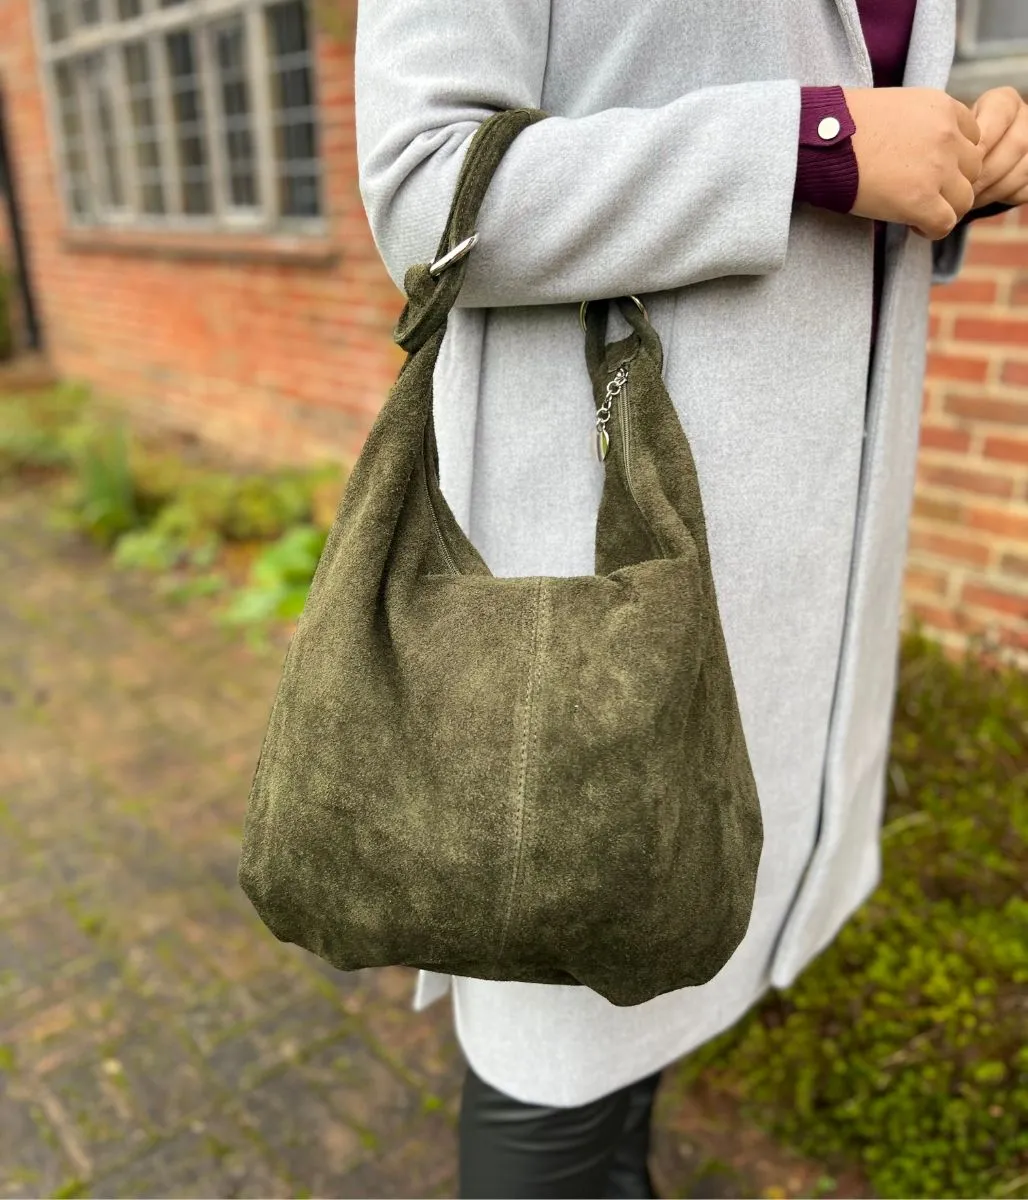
538,779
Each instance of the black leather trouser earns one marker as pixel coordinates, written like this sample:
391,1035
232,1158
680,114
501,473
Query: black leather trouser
515,1151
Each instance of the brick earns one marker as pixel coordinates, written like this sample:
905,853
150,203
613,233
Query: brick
965,291
1015,564
939,437
1013,450
931,508
1015,373
941,545
920,579
1007,524
984,483
991,329
979,596
1009,254
988,408
956,366
935,616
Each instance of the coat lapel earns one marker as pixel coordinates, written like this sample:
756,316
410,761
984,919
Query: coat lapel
850,16
932,44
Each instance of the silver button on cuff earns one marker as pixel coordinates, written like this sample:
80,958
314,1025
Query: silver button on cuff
828,128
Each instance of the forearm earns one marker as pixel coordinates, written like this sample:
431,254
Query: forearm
622,201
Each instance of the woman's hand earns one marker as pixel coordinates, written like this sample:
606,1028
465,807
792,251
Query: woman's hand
918,153
1002,117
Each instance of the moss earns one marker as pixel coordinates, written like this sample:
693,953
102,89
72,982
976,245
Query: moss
903,1046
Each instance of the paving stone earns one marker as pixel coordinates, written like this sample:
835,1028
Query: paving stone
155,1039
209,1158
306,1138
34,1163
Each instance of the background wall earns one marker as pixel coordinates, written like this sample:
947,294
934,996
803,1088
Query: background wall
278,348
969,538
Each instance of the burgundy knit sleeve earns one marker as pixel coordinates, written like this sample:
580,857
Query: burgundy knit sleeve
826,171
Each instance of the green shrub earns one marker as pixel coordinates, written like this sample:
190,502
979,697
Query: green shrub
100,500
37,431
279,579
904,1045
232,505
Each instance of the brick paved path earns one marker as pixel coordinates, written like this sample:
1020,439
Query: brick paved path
155,1040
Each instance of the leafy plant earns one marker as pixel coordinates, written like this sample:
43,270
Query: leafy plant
903,1046
279,579
37,430
101,500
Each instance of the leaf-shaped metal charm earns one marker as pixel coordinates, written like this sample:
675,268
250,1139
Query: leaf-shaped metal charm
602,444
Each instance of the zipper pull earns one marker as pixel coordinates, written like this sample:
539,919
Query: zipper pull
601,436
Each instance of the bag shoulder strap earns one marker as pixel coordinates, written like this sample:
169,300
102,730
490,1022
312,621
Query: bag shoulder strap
431,296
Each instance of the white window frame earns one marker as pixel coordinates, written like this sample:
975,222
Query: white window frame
982,64
108,38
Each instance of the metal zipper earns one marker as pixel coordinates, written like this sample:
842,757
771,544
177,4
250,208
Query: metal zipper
625,423
614,387
435,525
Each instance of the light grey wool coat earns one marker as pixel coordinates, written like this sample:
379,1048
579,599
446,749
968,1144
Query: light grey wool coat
666,169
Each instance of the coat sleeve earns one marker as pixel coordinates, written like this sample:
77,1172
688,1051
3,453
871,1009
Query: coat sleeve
619,201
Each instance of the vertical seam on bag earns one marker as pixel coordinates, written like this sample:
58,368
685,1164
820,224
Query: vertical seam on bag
532,679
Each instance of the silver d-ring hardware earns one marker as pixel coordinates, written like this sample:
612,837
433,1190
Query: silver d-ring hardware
585,304
452,256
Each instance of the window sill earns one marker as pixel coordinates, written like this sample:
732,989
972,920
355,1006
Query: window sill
970,78
209,247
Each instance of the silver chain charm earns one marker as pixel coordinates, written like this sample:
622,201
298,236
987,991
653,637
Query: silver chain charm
602,437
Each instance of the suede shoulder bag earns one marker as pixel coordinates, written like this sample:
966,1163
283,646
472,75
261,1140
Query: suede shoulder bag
539,779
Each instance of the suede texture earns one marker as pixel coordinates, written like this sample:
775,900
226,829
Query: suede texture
538,779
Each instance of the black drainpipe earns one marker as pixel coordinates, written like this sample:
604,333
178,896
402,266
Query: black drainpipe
10,196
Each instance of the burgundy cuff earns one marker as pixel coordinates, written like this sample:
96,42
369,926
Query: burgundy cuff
826,170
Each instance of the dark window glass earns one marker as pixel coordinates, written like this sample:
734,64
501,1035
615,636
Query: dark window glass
145,135
1003,20
73,146
98,96
57,24
236,112
187,107
293,107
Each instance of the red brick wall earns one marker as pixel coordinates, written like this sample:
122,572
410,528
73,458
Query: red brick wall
280,353
969,539
280,349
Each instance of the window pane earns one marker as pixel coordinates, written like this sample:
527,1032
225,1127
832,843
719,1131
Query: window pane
236,112
98,97
89,12
187,105
127,9
1003,20
76,176
295,117
145,135
57,24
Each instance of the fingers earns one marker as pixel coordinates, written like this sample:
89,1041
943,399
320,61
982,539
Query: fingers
970,158
1005,158
1007,188
995,111
967,123
939,218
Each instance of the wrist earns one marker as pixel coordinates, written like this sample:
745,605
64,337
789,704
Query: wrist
827,174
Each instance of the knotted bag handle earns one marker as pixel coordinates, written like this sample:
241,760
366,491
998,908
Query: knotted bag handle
432,288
